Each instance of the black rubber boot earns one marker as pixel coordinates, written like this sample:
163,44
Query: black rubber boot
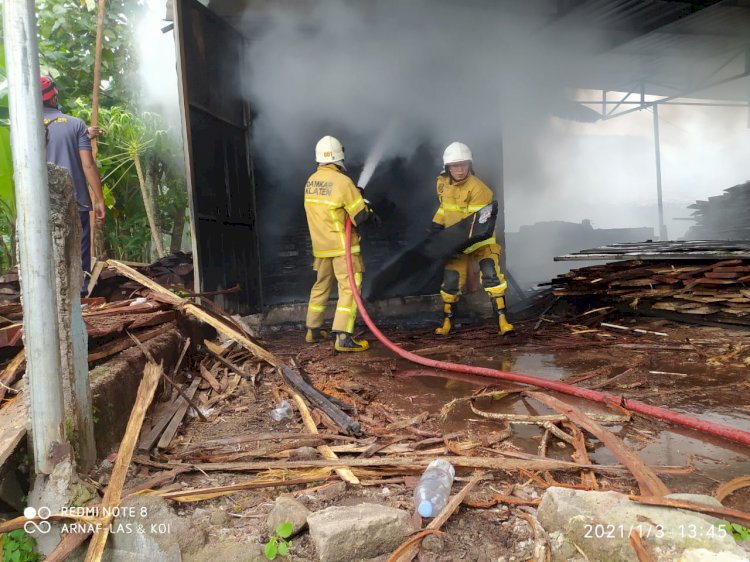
316,335
345,342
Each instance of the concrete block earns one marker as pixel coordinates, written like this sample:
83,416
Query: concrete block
346,534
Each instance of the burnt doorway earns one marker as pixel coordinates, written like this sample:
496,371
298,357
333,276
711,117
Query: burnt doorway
219,173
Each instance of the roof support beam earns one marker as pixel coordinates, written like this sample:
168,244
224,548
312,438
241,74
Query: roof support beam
651,104
657,152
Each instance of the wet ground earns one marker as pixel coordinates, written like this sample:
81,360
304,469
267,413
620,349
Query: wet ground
705,378
702,371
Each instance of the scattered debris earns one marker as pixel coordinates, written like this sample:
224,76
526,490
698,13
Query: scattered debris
357,430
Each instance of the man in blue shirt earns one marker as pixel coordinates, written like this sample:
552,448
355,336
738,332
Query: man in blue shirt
69,146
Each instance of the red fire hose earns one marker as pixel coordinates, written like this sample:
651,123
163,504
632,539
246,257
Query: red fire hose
703,426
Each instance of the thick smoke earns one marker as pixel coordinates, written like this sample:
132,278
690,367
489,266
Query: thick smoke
490,74
442,71
157,74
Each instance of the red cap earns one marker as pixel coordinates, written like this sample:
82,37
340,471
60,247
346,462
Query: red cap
49,90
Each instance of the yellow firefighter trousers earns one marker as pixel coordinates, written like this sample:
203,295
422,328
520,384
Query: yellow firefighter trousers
346,308
457,269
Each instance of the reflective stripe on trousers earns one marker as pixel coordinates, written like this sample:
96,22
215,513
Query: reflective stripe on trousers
346,308
460,265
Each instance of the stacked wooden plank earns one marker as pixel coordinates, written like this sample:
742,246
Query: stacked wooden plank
174,271
723,217
717,290
673,250
9,289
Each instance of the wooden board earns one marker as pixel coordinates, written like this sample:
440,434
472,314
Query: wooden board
149,439
12,427
176,420
113,494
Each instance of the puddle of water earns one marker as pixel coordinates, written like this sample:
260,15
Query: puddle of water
415,390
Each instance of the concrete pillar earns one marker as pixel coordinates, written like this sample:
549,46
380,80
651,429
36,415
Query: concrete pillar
66,250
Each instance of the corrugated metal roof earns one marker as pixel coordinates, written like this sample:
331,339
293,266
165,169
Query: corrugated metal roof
692,50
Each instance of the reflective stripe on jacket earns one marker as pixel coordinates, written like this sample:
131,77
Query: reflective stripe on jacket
459,200
329,196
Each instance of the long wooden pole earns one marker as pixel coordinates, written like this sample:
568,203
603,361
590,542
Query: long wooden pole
97,70
95,105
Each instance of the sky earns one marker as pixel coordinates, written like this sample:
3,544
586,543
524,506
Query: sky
465,75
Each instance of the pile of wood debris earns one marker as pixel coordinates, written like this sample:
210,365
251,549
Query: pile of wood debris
174,271
122,307
717,290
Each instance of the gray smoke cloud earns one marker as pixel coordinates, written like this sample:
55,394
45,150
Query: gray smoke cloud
478,72
441,71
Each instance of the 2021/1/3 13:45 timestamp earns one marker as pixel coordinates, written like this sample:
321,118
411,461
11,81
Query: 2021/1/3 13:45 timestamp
691,531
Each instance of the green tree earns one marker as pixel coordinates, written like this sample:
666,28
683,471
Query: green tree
143,188
67,40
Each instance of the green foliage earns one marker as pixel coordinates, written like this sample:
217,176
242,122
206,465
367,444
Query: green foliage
67,39
3,88
7,235
738,532
6,162
6,168
19,547
278,543
128,237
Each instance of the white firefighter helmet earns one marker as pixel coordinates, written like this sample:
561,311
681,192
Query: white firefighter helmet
456,152
329,150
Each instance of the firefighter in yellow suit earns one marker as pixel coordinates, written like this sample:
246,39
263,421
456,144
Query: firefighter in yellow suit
330,195
461,193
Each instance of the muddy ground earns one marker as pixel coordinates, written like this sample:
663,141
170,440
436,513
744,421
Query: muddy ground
694,369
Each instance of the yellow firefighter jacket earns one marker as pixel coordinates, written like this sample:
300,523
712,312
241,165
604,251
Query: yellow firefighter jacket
329,196
459,200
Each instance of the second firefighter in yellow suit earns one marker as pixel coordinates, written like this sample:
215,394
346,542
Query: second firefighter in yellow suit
331,196
461,193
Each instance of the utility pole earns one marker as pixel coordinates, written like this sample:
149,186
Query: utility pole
657,148
38,292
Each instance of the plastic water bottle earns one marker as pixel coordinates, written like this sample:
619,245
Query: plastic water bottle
283,410
434,488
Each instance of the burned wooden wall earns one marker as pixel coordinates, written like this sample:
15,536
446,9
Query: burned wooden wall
220,182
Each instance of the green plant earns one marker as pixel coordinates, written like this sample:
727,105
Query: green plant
19,547
737,531
7,234
278,543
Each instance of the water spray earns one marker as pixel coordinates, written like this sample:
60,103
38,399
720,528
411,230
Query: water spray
376,154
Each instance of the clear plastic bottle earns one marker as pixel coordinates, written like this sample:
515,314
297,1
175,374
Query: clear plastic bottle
283,410
434,488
